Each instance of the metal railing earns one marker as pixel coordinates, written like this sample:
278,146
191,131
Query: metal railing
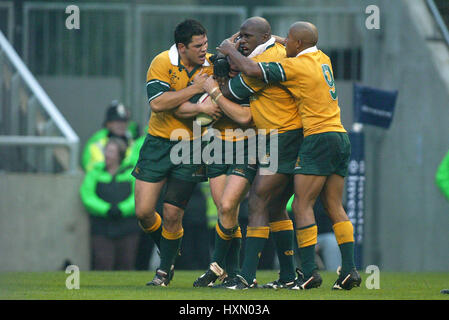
114,40
439,20
34,136
102,46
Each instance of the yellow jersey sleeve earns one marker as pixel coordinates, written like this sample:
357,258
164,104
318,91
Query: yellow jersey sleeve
158,77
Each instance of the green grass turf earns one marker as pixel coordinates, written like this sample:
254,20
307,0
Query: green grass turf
131,286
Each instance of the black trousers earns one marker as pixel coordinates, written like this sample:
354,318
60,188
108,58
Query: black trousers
114,253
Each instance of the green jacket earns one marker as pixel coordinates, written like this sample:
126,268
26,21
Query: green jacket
442,176
93,151
135,151
100,190
211,209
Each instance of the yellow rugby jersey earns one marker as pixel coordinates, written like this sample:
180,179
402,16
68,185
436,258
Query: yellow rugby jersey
226,123
309,77
166,73
272,105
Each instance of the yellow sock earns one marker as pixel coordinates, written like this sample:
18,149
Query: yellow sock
307,236
222,233
307,239
172,235
238,233
344,232
283,234
258,232
283,225
154,227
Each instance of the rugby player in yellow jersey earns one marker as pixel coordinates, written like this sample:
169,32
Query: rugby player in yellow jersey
174,76
273,111
229,171
323,157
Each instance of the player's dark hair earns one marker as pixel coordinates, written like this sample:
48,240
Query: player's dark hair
185,30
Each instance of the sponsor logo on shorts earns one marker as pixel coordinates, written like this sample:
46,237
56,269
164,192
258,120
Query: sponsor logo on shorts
297,166
200,172
239,172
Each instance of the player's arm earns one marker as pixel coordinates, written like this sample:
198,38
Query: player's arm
172,99
269,72
164,100
235,111
191,109
244,64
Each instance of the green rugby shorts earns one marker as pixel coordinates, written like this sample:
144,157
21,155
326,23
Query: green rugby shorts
288,144
235,159
160,158
324,154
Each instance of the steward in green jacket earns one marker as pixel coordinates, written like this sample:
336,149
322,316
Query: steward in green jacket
109,199
116,124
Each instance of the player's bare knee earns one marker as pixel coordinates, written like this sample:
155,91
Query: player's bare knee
227,208
300,204
172,215
144,213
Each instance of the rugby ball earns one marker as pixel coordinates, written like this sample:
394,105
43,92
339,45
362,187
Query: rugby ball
203,119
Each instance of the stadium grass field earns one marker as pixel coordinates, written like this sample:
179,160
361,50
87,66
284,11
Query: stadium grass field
130,285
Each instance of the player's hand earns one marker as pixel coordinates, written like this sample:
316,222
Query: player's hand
280,40
227,46
235,37
211,108
198,81
210,84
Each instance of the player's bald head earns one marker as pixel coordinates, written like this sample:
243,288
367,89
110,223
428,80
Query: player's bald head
305,32
257,24
253,32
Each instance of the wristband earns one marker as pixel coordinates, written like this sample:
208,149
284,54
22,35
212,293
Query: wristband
213,90
218,96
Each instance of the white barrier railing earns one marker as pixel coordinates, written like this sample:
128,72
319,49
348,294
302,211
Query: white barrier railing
18,81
